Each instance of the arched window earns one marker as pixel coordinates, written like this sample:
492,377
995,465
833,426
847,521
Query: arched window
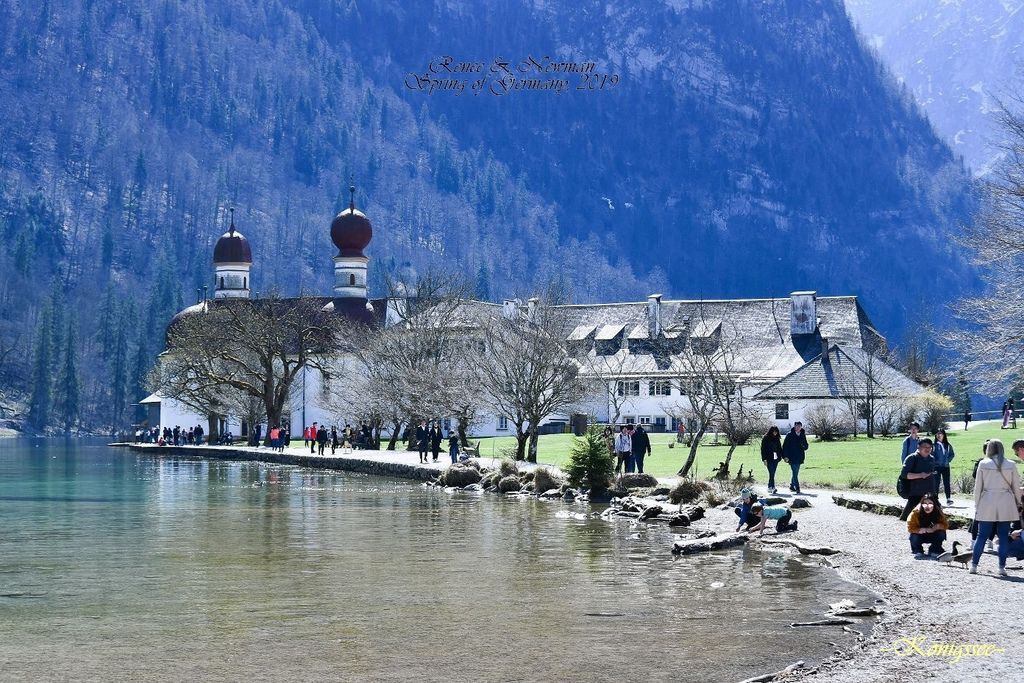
222,282
245,283
352,280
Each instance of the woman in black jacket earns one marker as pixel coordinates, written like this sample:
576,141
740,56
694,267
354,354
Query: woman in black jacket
771,454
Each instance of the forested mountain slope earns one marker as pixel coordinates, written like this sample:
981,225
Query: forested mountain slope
750,148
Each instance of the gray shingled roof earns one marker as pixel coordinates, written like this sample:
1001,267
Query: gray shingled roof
842,373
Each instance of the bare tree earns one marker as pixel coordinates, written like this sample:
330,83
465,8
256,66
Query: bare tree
862,392
606,371
254,347
740,420
990,345
528,374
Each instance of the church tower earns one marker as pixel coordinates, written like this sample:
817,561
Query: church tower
232,259
351,232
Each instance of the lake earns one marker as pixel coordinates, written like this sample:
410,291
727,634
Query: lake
116,565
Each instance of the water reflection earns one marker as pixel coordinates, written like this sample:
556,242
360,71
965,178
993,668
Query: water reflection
186,569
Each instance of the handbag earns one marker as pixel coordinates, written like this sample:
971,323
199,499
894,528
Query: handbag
903,487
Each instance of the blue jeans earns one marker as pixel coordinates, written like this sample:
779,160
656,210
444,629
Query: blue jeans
795,481
638,461
1016,548
984,532
630,464
935,539
454,452
772,465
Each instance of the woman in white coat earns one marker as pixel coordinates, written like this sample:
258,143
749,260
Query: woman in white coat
996,501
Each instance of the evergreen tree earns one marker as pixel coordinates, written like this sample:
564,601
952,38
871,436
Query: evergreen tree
483,283
69,389
42,372
961,395
119,378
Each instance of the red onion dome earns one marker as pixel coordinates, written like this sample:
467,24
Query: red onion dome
232,247
351,230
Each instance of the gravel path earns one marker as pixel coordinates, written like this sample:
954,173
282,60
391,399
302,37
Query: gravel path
942,603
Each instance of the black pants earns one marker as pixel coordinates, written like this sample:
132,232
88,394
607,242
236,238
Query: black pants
942,473
912,502
423,453
320,449
783,522
436,451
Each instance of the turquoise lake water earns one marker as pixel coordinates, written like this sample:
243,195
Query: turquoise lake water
118,566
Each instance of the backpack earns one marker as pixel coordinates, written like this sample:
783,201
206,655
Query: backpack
902,487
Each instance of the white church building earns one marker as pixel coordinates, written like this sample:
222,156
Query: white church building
788,355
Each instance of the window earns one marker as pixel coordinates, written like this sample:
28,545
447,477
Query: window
645,419
659,388
864,411
222,282
659,423
781,411
245,283
502,423
352,280
446,424
629,419
629,388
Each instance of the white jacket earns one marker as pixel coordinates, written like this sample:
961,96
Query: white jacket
996,492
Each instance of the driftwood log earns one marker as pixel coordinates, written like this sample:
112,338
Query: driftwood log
824,622
803,549
764,678
690,546
955,521
857,612
687,515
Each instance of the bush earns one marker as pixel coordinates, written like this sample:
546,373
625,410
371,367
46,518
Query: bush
823,422
688,491
590,466
508,466
713,499
963,483
886,419
460,476
509,483
859,481
545,479
933,407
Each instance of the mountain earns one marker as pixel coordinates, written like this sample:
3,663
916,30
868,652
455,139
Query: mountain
957,57
746,149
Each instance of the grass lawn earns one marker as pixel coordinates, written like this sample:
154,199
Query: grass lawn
833,464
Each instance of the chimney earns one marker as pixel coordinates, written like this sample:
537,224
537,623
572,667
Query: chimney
531,309
803,313
508,308
654,316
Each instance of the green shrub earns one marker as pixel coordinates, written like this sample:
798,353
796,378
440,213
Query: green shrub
590,466
508,466
545,479
509,483
859,481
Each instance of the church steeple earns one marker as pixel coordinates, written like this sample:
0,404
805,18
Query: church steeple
232,259
351,232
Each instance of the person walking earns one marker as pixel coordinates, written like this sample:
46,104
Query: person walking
910,443
793,450
435,440
453,445
275,438
321,440
996,502
943,454
919,471
967,419
771,454
334,439
423,440
313,433
640,445
258,435
1006,414
305,436
927,524
623,450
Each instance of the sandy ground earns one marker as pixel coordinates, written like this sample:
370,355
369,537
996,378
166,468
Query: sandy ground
922,599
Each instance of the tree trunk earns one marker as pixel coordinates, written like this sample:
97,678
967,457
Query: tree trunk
463,428
396,431
521,438
532,456
212,422
273,420
685,471
723,468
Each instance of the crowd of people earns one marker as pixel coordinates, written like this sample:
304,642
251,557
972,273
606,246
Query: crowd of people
998,498
629,447
176,436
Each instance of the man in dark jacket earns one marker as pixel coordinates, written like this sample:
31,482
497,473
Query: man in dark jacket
918,470
793,452
435,440
641,446
422,440
321,439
